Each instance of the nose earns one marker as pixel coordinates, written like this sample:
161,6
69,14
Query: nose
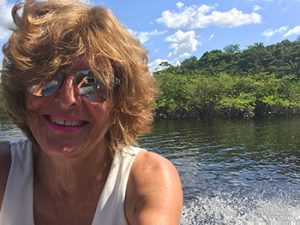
67,95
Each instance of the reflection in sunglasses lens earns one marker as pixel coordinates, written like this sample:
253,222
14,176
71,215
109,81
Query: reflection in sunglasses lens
88,86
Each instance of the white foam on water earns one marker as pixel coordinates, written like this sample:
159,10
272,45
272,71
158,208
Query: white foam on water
252,210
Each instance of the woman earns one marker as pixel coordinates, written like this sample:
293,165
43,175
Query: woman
77,83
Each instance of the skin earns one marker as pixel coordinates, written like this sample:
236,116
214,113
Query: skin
71,167
154,192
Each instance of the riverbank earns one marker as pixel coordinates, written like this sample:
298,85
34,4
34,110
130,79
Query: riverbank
259,112
227,96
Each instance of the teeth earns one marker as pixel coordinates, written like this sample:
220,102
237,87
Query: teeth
73,123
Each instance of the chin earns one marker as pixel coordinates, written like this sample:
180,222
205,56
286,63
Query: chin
59,151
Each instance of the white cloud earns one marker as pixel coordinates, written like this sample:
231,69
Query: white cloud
293,31
202,16
271,32
154,65
179,4
145,36
211,37
4,33
256,8
182,43
6,20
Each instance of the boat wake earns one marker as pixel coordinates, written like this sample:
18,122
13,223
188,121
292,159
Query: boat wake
224,208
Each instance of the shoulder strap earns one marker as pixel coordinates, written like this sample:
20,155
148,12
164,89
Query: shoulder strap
110,209
17,204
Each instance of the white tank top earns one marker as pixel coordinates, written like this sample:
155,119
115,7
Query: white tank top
17,205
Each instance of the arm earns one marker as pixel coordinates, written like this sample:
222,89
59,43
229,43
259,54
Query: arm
154,192
5,161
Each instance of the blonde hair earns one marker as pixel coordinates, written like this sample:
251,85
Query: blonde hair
52,35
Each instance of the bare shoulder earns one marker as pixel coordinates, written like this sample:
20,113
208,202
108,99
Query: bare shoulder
150,164
5,161
154,191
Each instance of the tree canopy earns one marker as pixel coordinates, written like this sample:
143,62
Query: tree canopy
282,58
260,81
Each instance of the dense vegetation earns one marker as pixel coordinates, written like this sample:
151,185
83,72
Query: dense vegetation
279,59
256,82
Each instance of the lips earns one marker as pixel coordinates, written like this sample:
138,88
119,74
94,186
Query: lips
69,123
65,124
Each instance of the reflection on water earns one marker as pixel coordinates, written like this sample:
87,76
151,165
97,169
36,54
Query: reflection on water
233,172
8,131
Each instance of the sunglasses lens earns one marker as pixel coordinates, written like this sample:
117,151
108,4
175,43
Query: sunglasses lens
46,88
89,87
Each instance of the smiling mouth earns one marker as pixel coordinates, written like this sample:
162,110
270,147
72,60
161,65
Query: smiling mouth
66,123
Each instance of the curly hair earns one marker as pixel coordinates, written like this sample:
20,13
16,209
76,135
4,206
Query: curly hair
54,34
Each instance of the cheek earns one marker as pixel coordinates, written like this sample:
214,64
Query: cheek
32,109
31,104
101,112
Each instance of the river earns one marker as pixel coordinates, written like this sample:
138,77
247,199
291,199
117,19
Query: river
233,172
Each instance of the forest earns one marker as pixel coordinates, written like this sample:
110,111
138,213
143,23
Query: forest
257,82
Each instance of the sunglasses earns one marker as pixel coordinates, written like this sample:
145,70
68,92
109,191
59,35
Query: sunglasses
88,86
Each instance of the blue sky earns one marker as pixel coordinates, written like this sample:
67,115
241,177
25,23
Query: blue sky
173,30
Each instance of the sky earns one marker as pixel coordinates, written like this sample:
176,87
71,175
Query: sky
173,30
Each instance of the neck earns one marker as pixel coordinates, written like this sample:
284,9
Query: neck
69,176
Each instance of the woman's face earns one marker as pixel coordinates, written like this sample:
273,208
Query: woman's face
65,124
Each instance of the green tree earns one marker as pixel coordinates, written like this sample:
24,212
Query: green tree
231,49
189,65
